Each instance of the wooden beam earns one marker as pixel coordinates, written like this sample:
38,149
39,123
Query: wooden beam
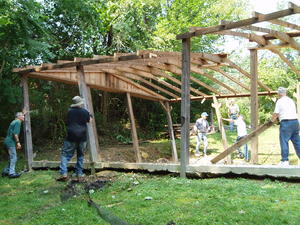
27,123
241,23
217,106
252,37
167,109
243,141
239,95
233,65
185,107
298,100
84,92
135,140
254,104
231,78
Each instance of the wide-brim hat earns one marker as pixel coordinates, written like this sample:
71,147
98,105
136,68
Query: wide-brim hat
78,101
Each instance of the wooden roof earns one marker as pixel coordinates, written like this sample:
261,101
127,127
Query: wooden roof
153,75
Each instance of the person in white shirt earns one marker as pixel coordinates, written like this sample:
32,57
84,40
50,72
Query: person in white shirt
241,133
285,111
233,112
201,128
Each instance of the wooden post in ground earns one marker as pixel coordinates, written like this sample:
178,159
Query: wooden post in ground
298,100
167,108
27,124
133,130
185,107
92,136
254,104
217,106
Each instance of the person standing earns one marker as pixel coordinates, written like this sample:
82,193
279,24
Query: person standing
202,128
12,143
233,112
285,111
77,120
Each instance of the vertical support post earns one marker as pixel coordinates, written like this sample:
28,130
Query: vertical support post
133,130
166,107
92,136
185,107
254,104
217,106
27,124
298,100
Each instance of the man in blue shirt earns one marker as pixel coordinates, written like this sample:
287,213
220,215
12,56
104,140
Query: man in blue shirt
12,143
77,120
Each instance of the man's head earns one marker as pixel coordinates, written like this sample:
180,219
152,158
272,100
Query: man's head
204,115
77,101
281,91
20,116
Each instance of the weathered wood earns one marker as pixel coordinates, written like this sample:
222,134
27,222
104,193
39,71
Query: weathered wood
219,169
27,124
167,109
217,106
242,142
185,107
298,100
198,98
133,130
239,24
84,92
254,104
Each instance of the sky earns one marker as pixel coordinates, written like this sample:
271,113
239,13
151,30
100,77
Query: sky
268,6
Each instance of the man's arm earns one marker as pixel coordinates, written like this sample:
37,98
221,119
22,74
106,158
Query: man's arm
274,117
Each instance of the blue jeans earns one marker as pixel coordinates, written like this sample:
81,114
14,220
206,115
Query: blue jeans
10,168
246,152
67,153
289,130
231,124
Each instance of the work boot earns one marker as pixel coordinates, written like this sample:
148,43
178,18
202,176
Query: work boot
62,178
15,175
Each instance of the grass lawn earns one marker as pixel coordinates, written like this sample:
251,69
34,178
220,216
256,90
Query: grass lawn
34,199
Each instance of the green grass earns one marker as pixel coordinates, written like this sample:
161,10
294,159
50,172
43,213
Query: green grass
186,202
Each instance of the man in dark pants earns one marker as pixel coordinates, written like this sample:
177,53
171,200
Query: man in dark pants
12,143
285,110
77,120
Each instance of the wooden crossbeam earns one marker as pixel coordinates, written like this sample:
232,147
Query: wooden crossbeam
239,95
242,23
243,141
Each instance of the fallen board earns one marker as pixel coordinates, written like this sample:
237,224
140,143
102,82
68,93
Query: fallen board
256,170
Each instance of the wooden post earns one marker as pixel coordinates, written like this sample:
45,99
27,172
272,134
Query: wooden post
27,124
185,107
217,106
166,107
85,93
254,104
133,130
298,100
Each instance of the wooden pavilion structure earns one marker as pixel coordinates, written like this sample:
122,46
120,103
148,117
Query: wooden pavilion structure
165,77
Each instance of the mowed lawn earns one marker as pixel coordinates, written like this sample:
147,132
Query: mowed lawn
34,199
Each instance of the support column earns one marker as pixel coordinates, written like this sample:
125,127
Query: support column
133,130
27,124
92,136
217,106
185,107
166,107
254,104
298,100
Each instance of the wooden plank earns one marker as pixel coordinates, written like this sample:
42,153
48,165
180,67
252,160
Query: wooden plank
252,37
254,104
217,106
133,130
83,90
243,141
239,24
298,100
185,107
227,96
167,109
27,123
256,170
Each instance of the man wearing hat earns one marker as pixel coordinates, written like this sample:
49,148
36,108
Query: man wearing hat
285,111
77,120
201,128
